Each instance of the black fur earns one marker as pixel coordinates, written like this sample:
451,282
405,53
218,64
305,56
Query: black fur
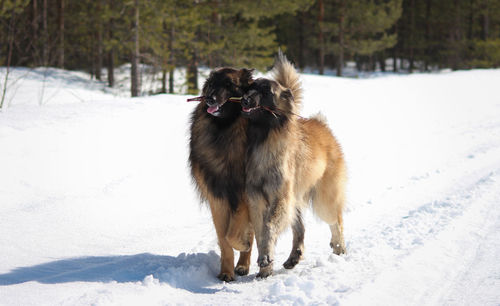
224,175
262,121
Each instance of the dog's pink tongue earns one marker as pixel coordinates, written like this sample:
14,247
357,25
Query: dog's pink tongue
212,109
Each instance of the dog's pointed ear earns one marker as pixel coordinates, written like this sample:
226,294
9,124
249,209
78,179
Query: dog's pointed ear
246,76
286,95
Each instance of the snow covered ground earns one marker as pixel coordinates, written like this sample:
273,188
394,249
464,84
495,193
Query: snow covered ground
97,206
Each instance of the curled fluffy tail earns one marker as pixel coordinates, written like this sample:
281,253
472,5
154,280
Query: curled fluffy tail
285,74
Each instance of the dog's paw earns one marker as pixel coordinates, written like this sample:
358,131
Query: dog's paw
264,261
265,272
338,248
293,259
241,270
226,277
291,263
266,266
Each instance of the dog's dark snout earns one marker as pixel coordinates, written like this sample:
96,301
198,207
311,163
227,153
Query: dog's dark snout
246,102
209,101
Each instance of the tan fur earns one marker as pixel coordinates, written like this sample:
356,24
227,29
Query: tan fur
221,216
310,161
239,231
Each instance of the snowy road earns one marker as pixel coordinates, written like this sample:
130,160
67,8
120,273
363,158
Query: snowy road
96,204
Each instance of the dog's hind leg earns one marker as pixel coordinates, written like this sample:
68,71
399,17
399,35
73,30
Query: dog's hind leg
243,265
298,242
328,203
220,215
337,242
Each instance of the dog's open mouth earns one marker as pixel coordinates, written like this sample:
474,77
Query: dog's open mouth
214,109
249,109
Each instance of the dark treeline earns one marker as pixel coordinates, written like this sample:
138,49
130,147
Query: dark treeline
396,35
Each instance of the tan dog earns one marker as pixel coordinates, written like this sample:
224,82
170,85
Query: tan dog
291,161
217,158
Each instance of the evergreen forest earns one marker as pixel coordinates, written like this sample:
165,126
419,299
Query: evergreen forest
320,35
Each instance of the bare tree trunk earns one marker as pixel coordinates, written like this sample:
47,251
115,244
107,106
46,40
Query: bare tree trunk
90,55
381,60
301,40
60,60
45,35
111,54
164,60
394,60
171,80
163,80
10,39
412,36
485,22
171,59
135,86
111,68
321,37
427,33
34,23
340,62
395,52
470,21
372,62
100,54
456,37
486,25
192,74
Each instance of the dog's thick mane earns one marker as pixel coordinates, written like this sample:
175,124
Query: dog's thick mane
222,170
285,74
218,144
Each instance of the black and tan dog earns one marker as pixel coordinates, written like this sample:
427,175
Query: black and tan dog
291,161
217,159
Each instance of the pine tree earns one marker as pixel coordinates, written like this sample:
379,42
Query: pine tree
367,24
484,43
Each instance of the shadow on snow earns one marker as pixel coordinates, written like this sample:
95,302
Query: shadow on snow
192,272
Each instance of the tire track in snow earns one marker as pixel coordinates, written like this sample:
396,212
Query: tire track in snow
425,274
388,237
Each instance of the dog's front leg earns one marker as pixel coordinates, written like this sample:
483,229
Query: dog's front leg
269,219
220,216
298,242
258,207
266,250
